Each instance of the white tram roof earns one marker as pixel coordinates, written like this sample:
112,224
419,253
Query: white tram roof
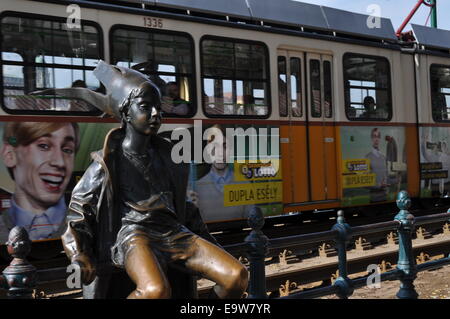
285,12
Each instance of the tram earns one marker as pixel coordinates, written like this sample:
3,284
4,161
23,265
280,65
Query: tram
346,114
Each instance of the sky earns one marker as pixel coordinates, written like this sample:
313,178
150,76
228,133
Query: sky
396,10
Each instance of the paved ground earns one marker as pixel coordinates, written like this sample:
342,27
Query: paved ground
429,285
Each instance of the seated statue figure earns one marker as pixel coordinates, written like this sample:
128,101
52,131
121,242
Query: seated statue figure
129,208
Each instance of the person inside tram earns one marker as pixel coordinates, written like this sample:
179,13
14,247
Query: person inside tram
150,68
172,103
369,107
77,105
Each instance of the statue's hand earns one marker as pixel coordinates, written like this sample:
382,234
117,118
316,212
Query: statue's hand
87,268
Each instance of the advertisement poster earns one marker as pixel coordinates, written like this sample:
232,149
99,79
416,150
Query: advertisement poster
41,163
373,164
434,161
229,189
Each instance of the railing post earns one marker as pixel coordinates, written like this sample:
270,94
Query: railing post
19,278
257,244
343,236
406,261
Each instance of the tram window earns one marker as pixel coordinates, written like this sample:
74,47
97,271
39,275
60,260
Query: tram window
282,86
235,78
42,54
296,93
11,56
327,90
316,92
367,88
167,58
440,92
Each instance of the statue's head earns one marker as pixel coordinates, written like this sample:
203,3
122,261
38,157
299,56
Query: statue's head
134,98
142,109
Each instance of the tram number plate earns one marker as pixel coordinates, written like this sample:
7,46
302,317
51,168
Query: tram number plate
150,22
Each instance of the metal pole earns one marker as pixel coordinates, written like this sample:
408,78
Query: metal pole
411,14
434,13
343,235
406,261
257,247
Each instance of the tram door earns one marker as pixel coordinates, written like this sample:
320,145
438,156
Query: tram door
308,142
321,129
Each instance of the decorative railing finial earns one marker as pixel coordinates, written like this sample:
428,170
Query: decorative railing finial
406,261
20,276
257,246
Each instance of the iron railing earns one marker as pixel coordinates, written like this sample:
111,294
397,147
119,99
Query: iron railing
20,278
406,272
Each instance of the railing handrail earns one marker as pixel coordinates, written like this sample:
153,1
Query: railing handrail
330,235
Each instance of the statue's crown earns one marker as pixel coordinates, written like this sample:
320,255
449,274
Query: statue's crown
119,82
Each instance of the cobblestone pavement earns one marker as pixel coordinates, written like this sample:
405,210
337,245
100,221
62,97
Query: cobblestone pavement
433,284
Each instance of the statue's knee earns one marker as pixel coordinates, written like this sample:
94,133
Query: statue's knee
238,279
243,278
151,291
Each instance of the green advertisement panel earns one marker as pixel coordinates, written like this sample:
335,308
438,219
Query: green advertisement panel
41,163
434,161
373,164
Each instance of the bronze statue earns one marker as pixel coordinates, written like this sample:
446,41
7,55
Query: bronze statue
130,205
